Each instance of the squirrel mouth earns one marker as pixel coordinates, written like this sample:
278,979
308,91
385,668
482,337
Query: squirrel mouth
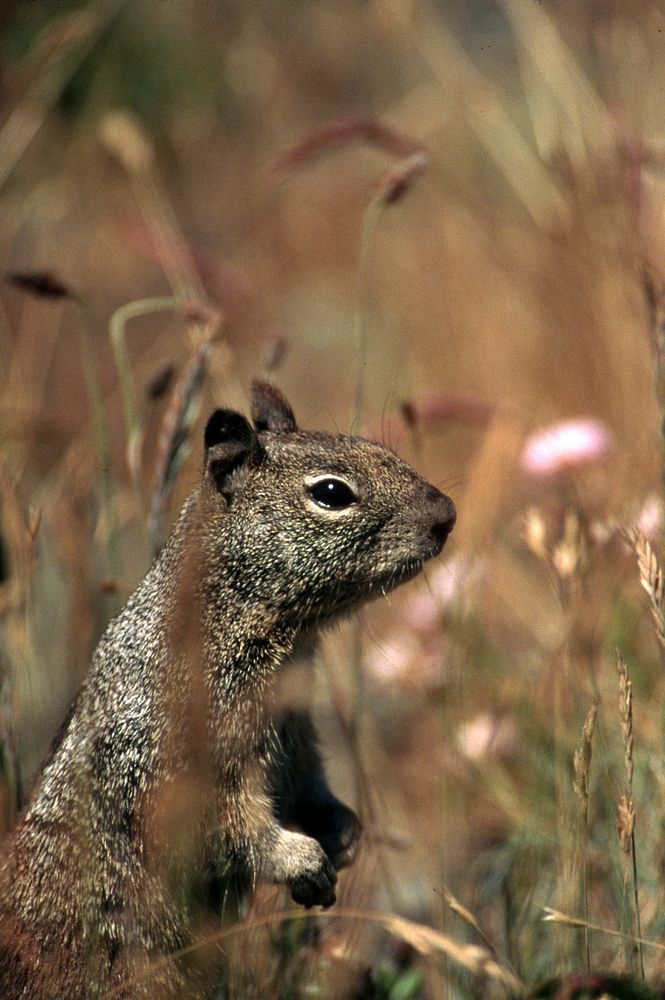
352,592
399,575
381,584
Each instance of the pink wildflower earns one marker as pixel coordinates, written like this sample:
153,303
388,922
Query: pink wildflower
446,584
565,445
650,520
414,654
402,661
485,736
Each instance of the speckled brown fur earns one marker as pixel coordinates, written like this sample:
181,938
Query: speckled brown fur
171,758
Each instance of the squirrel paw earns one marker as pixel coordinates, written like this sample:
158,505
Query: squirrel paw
314,882
306,870
316,886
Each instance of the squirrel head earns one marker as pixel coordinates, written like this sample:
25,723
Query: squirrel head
310,524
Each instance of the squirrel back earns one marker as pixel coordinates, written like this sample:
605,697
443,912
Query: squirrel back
173,755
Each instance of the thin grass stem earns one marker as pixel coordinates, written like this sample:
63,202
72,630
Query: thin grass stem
117,333
371,217
581,764
101,433
626,824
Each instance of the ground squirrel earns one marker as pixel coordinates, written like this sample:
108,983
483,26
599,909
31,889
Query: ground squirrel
172,754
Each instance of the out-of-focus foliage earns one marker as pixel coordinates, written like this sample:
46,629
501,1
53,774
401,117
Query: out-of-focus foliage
438,224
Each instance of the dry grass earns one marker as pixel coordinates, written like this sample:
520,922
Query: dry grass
444,228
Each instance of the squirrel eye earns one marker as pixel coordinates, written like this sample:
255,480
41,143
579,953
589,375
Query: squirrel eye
333,494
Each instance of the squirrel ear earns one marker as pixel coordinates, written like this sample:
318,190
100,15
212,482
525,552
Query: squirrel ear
230,441
270,410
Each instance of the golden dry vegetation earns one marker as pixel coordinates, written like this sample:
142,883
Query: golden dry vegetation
441,224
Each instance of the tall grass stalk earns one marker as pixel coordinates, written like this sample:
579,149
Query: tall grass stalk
476,960
582,765
651,578
173,445
566,564
557,917
101,433
66,42
130,143
20,529
626,808
44,285
390,189
117,333
534,186
371,217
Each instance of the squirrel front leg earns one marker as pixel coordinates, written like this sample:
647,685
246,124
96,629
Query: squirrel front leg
301,794
260,845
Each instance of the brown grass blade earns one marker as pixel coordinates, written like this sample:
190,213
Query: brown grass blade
626,710
534,186
583,119
425,940
125,138
626,806
396,182
582,756
62,47
581,768
43,284
466,915
173,444
339,134
651,578
557,917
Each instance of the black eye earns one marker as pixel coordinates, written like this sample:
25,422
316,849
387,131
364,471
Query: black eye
333,494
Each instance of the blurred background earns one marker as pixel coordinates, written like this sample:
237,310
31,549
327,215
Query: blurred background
438,224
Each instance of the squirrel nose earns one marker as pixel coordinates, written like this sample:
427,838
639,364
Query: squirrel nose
444,516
